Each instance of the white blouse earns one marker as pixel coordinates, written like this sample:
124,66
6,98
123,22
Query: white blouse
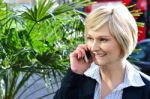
132,78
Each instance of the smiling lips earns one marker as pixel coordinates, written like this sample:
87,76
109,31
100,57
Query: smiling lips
99,54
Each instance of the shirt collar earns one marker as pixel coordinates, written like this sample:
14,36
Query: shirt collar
93,72
132,75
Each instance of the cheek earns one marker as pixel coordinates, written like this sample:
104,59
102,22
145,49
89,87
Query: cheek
110,48
106,46
115,50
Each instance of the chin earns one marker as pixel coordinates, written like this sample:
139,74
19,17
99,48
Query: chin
100,63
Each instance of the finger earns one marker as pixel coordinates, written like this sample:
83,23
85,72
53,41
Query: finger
83,46
73,54
81,51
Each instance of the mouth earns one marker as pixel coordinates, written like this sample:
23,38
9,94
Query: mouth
100,54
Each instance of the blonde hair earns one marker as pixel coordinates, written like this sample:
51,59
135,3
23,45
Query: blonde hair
122,25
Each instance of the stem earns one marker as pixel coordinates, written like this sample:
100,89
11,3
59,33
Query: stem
28,35
31,29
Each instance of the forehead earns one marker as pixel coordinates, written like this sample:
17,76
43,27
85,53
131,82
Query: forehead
102,31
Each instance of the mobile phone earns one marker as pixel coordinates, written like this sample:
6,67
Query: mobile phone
87,56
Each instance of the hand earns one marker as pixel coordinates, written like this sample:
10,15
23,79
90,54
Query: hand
78,64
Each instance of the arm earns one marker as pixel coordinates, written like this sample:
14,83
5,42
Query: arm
75,78
70,86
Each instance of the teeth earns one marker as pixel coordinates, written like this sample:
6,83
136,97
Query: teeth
101,55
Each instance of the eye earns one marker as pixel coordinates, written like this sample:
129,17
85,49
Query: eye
103,40
89,38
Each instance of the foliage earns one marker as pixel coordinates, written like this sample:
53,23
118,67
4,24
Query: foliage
36,40
136,13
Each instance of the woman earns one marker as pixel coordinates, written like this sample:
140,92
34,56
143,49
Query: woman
111,36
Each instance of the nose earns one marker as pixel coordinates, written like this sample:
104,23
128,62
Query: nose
94,46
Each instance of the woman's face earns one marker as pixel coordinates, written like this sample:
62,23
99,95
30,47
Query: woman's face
103,45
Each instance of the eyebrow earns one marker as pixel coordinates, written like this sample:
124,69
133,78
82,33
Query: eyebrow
100,36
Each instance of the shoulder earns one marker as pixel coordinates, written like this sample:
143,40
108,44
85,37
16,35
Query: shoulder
137,71
145,78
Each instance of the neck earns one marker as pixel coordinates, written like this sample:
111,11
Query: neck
113,73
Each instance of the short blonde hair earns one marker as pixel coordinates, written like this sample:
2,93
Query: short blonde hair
122,25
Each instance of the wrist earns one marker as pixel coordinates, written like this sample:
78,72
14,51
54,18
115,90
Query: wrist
80,72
